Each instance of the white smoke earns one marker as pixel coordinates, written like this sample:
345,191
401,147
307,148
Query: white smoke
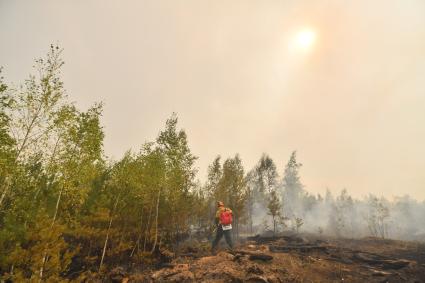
342,216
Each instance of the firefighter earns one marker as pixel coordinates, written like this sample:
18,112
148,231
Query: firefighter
223,221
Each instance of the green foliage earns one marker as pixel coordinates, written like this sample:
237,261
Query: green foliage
266,174
53,152
231,188
7,143
179,172
215,173
293,192
274,206
65,210
42,240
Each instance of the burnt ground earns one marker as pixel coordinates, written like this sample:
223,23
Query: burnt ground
291,258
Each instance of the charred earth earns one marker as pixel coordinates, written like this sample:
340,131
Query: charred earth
286,258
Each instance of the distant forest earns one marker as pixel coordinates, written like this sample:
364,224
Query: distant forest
66,210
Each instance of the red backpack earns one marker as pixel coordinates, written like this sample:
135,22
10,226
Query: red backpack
226,217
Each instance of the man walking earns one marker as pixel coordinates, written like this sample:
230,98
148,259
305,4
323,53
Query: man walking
223,220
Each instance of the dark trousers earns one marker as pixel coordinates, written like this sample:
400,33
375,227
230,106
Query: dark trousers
227,235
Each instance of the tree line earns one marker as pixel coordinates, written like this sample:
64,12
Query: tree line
67,210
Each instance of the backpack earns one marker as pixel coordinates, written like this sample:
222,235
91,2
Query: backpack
226,217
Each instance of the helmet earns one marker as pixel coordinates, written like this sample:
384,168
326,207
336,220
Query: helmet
220,203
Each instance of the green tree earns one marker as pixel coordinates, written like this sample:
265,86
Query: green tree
266,175
56,152
232,189
180,177
31,110
274,206
292,187
7,143
266,186
213,189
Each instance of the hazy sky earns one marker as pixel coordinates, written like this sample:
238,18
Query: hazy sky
353,106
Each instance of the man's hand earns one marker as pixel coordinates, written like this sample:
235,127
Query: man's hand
216,227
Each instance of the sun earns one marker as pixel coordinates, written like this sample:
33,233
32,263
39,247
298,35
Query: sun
304,39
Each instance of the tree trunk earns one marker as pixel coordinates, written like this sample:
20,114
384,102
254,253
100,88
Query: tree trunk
148,227
250,221
6,186
140,235
107,234
43,263
156,221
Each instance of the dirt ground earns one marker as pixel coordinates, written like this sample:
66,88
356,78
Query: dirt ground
293,258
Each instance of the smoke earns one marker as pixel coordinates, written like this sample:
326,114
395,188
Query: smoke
343,216
281,205
261,220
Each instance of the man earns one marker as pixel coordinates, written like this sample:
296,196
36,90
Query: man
223,220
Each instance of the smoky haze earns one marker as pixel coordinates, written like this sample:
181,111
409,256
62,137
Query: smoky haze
352,107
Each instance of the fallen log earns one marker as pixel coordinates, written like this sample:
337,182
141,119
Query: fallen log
263,257
303,248
268,239
263,239
252,255
166,265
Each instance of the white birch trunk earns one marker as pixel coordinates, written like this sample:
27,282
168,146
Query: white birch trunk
107,235
51,227
156,222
